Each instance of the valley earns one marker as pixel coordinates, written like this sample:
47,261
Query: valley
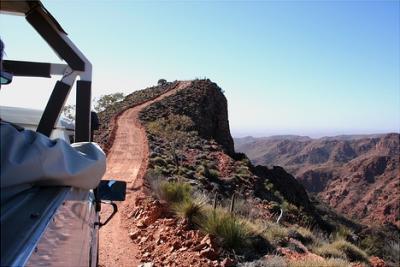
357,175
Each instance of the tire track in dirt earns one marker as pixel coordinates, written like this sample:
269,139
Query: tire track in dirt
126,161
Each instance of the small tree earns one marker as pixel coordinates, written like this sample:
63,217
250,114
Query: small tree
105,101
162,81
69,112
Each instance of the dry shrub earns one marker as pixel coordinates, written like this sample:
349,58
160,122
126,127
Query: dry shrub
332,262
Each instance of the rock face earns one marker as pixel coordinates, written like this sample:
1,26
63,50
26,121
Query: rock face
357,175
286,184
206,105
206,153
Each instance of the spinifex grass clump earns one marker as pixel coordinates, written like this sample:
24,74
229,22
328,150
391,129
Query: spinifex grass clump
190,209
175,192
178,195
231,232
342,249
275,233
227,228
352,252
329,251
303,234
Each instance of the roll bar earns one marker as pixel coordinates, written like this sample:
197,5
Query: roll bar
77,65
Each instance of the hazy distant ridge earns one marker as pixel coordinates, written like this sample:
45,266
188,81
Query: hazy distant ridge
356,174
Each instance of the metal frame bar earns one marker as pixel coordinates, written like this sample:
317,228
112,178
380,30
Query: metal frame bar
25,68
37,17
34,69
82,114
78,65
53,108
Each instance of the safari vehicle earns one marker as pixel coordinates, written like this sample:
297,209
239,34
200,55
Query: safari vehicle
53,225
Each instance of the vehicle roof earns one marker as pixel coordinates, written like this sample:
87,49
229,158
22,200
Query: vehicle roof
22,8
77,65
18,7
30,116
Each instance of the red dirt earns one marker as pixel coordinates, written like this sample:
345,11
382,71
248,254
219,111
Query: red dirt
291,255
377,262
169,241
126,161
225,164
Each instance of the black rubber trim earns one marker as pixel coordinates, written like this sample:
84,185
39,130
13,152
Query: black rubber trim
82,117
49,15
26,68
52,35
53,108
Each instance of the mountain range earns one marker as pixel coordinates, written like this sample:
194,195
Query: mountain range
358,175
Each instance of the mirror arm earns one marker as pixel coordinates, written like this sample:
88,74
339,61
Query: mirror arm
115,210
97,199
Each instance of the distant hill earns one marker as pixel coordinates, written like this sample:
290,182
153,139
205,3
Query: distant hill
356,174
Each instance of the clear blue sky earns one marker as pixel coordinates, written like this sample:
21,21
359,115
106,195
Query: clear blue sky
310,68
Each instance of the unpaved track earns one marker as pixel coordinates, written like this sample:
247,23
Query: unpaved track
126,161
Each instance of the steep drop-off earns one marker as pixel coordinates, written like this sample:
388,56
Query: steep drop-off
357,175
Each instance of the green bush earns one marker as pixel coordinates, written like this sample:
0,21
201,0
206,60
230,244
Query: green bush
288,207
213,174
212,164
268,185
303,234
343,232
171,127
161,170
242,177
275,233
278,195
203,171
182,170
232,233
175,191
243,171
154,155
158,161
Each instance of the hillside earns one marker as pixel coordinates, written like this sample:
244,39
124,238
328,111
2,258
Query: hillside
203,204
357,175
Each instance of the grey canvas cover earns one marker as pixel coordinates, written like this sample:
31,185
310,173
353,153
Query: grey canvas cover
29,157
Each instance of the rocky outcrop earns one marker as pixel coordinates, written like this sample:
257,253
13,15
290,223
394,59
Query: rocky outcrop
207,158
206,105
286,184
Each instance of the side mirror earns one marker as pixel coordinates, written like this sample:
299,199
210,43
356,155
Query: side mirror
112,190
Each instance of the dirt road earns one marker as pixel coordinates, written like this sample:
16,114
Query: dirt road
126,161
